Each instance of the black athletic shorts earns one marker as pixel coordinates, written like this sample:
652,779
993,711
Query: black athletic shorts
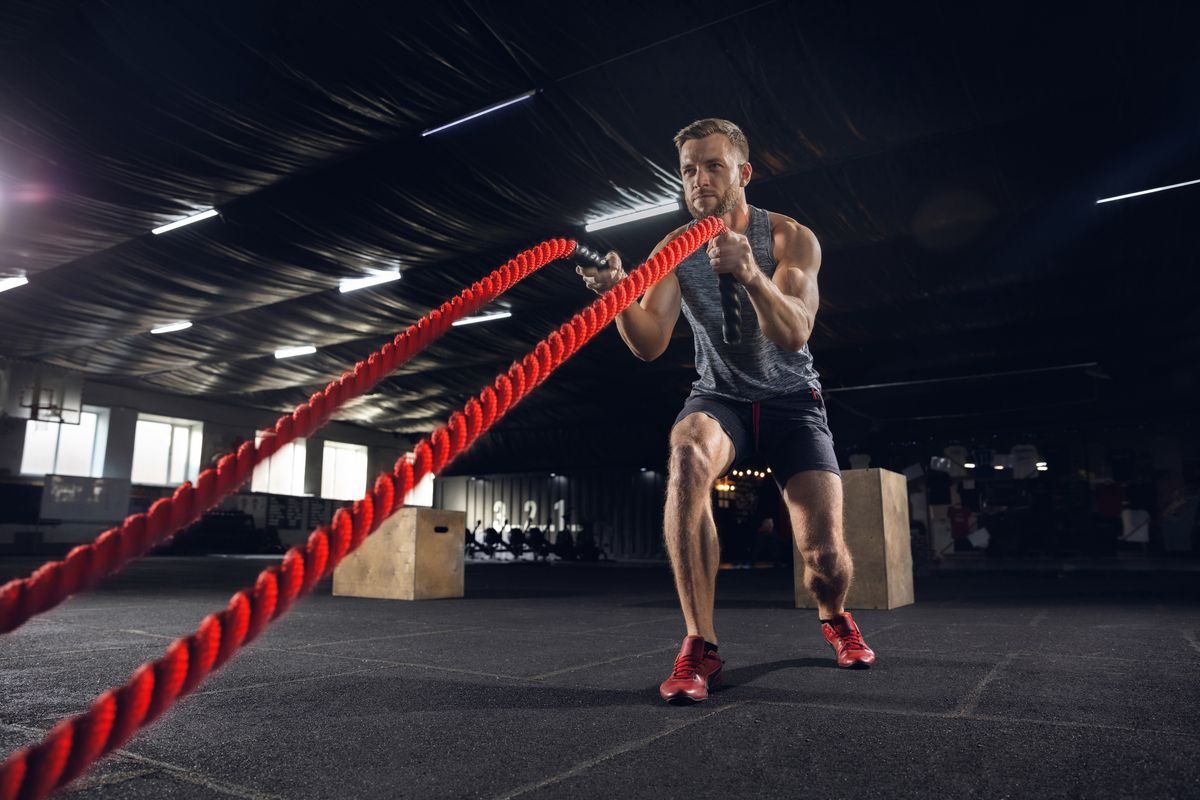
790,432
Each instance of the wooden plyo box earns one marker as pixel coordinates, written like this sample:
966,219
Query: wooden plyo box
877,534
417,554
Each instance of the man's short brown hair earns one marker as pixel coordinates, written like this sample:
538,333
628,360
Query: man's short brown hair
702,128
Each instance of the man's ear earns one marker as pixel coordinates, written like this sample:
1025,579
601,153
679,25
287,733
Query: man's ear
746,171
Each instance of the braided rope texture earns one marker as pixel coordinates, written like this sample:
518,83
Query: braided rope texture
84,566
74,744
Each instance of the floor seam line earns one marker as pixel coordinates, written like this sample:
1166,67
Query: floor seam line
578,667
895,712
631,624
408,635
878,631
174,770
309,679
611,754
199,778
389,662
968,704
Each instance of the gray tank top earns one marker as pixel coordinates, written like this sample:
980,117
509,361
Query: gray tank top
755,368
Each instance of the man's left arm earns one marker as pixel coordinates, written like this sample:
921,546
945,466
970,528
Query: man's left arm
786,304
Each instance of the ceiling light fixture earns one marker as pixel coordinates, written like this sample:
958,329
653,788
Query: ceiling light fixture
1147,191
631,216
494,315
212,212
12,283
172,327
480,113
291,352
969,465
354,284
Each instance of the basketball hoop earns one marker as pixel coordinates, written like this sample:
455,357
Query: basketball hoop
43,394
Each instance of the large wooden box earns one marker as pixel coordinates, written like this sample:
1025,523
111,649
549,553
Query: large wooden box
877,534
417,554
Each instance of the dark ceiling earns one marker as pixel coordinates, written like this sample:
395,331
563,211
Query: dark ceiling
948,158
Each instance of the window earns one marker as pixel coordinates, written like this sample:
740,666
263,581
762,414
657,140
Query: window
166,451
282,473
55,448
344,471
422,493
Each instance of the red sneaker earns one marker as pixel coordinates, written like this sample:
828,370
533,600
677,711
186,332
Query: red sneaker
694,674
847,641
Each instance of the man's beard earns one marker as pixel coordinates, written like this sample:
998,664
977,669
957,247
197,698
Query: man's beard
725,203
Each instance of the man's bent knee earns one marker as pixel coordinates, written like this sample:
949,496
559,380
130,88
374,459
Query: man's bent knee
700,451
690,466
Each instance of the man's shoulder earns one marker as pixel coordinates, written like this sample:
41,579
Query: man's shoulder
795,243
783,225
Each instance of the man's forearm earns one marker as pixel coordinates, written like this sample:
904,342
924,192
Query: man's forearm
785,321
640,332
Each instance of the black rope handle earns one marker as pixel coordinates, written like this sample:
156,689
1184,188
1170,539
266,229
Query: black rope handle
585,253
731,306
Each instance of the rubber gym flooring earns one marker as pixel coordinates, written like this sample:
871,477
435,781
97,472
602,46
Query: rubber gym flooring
543,683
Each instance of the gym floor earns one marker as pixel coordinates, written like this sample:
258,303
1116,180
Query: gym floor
543,683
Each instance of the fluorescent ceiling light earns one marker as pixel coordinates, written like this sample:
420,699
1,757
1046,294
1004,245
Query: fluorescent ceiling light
12,283
290,352
354,284
174,326
212,212
1043,469
483,318
969,465
1148,191
1040,464
481,112
998,466
631,216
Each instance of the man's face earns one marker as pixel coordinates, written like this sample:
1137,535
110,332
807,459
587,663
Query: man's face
711,173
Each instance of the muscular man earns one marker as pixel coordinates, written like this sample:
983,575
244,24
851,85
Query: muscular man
760,395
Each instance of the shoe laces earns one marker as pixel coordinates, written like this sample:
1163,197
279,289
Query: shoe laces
686,666
850,638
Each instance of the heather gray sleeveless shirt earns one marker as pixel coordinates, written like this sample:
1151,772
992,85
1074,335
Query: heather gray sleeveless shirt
756,368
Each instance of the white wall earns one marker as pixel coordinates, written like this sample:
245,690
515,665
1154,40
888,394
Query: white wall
223,425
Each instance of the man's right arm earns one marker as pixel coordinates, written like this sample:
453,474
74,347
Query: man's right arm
645,326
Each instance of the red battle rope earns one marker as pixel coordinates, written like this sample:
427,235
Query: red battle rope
74,744
87,564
